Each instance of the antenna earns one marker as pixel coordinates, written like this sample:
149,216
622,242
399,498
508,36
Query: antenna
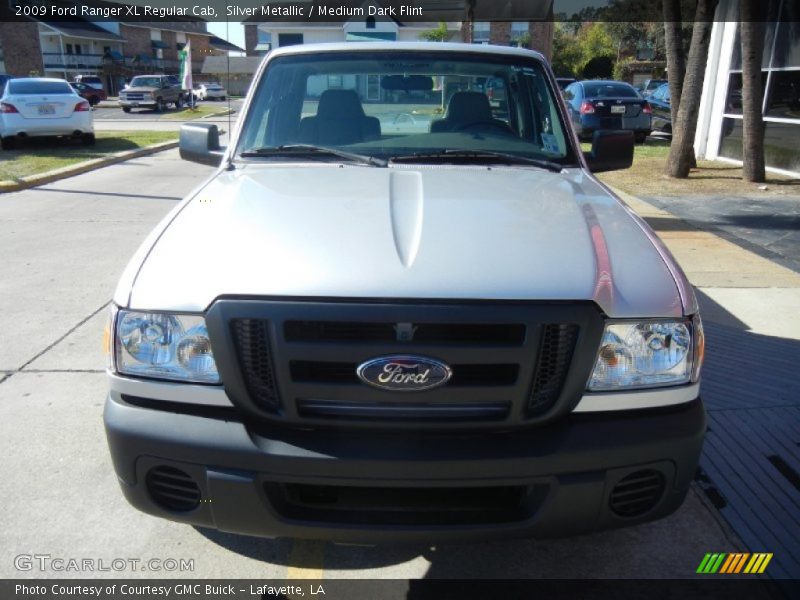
228,66
228,61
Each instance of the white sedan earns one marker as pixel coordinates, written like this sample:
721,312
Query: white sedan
39,107
210,91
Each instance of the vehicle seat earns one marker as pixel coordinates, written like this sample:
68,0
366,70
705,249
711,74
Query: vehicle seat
340,120
466,109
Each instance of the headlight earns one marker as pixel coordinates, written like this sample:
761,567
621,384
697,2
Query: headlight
641,355
164,346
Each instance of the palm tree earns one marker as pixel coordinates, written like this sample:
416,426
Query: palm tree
751,29
676,57
681,150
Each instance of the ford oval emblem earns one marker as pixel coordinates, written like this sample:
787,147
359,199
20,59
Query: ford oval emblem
403,373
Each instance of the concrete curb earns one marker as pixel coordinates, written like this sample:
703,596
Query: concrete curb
83,167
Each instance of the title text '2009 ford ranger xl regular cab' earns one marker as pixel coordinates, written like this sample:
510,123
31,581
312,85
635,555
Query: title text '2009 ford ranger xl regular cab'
397,312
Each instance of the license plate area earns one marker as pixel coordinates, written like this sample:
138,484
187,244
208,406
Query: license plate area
46,109
618,110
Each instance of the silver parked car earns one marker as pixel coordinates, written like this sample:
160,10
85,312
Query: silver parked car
377,321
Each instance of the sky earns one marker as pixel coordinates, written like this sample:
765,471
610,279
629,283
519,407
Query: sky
233,31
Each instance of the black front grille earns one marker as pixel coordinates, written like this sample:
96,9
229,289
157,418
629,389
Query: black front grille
405,506
296,361
305,371
637,493
555,356
420,333
255,358
173,489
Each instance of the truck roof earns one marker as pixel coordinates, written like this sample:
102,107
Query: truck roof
406,46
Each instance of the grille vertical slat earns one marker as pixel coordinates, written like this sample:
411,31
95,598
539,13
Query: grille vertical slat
255,360
553,362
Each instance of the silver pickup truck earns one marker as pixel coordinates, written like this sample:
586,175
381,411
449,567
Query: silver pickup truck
397,312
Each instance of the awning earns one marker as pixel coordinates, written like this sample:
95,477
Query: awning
142,58
371,36
159,44
114,55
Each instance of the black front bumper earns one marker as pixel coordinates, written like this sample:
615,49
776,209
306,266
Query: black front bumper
364,486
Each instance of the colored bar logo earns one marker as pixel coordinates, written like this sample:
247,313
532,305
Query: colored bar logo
734,563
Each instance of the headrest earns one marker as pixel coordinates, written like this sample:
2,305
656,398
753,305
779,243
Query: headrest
340,104
469,107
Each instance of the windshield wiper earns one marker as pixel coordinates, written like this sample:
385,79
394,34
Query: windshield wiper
478,155
312,150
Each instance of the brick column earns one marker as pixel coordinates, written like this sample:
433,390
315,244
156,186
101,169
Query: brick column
22,51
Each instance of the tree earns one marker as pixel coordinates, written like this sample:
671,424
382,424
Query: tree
566,50
440,34
681,151
676,58
751,29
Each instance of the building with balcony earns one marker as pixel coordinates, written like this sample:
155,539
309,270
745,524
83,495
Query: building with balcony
113,51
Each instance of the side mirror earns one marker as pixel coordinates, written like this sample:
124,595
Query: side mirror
611,150
199,142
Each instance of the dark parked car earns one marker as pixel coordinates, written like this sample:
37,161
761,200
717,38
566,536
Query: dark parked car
660,102
87,92
648,86
565,82
602,104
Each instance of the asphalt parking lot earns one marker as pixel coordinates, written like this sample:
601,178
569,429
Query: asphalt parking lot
109,111
65,245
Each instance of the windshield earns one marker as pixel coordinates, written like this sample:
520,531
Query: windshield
146,82
33,86
392,104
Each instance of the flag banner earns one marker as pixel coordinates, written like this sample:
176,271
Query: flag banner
186,66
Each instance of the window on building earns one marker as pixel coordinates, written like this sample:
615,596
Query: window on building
481,32
289,39
78,49
69,49
780,80
519,33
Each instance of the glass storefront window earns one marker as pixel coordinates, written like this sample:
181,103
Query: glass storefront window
736,57
787,46
783,99
733,102
780,143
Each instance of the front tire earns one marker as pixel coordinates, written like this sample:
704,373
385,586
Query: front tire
641,138
179,103
94,100
161,106
88,139
126,109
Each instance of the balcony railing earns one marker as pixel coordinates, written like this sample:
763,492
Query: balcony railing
145,64
57,60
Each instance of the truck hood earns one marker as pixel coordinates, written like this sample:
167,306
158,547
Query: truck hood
435,232
140,88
